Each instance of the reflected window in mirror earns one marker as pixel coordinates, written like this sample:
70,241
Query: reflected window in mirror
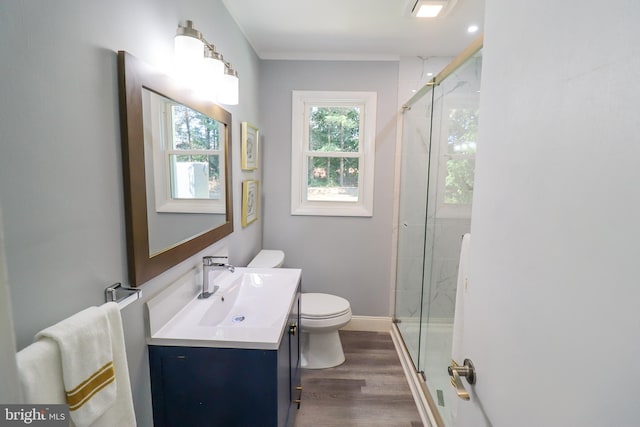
188,157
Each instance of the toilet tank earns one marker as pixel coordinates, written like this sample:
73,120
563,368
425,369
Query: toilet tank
267,258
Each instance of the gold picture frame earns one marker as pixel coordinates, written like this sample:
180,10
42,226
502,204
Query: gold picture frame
250,141
250,201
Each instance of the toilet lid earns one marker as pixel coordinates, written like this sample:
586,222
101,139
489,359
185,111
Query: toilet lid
322,305
267,258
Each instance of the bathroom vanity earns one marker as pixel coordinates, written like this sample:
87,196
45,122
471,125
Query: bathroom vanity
232,359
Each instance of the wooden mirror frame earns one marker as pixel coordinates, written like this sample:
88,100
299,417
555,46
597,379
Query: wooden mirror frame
133,76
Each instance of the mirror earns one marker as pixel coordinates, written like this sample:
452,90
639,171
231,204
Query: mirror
176,152
184,158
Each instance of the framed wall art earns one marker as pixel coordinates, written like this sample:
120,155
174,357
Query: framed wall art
250,141
250,199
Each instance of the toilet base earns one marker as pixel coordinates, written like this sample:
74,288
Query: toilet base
321,350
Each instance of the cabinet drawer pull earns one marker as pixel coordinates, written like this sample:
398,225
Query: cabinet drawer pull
293,328
299,388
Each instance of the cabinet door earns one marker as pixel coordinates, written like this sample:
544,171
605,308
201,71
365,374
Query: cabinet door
204,387
294,353
294,388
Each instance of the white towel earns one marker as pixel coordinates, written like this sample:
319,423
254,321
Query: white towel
122,413
88,374
461,289
40,373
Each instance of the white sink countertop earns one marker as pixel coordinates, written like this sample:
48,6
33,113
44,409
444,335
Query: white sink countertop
249,310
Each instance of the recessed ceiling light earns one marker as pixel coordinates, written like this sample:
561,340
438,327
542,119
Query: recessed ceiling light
431,8
472,28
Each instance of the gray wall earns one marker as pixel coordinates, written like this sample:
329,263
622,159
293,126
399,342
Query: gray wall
346,256
553,279
60,165
10,390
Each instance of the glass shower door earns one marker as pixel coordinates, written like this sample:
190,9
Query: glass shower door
454,143
412,223
440,137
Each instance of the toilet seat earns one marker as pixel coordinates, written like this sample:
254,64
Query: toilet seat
317,306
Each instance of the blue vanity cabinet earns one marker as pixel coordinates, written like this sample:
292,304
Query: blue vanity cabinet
293,338
228,387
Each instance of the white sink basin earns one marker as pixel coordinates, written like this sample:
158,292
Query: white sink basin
249,310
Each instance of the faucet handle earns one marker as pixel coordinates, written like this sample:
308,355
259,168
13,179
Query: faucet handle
208,260
219,260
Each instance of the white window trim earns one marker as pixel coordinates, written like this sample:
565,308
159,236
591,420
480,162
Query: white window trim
161,131
299,151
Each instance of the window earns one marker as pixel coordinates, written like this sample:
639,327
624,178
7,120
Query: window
332,162
458,159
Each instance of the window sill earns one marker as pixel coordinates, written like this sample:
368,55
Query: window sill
332,209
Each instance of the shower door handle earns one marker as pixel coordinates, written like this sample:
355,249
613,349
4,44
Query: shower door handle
456,371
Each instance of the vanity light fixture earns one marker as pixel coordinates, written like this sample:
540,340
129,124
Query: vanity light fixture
431,8
201,66
229,86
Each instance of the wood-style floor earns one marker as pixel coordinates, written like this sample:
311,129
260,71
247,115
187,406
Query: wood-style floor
368,390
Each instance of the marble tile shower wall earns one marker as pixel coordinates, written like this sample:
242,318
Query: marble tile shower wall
409,278
440,265
444,277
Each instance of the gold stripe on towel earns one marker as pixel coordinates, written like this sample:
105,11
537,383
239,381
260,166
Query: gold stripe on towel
86,389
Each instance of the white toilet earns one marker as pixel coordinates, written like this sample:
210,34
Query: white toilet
321,315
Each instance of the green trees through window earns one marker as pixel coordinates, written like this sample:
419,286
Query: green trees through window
334,144
194,157
460,155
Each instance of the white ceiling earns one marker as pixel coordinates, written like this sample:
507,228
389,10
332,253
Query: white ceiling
352,29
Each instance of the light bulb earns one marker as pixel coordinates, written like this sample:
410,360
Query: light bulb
188,51
211,73
229,87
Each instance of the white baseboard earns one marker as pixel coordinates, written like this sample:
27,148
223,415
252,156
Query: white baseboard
414,380
369,324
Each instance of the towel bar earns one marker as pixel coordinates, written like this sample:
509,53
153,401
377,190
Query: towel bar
112,294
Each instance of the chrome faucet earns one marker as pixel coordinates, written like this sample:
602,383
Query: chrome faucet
209,263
